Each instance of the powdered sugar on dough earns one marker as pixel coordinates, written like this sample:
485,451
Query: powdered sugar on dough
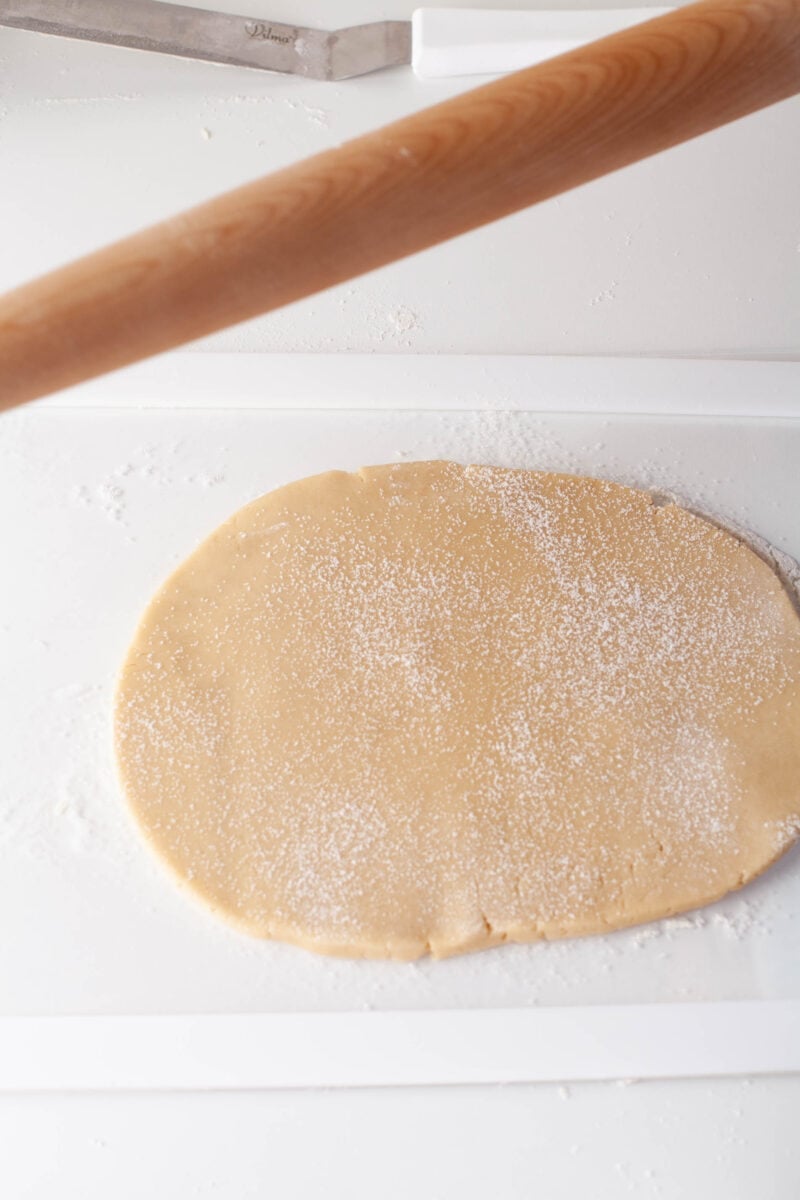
429,707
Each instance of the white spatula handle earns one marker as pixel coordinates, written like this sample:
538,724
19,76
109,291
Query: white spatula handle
473,41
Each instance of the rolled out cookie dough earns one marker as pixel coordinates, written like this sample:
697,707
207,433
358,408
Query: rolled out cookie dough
426,707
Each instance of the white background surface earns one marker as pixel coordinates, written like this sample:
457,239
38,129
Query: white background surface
697,252
653,1141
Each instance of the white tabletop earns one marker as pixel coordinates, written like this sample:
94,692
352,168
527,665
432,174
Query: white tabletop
666,1141
696,252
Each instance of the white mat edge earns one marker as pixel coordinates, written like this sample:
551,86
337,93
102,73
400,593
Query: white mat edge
369,1049
644,386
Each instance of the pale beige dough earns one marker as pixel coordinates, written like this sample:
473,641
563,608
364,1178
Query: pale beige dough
428,707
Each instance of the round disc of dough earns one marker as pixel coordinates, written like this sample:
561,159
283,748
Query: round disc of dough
426,707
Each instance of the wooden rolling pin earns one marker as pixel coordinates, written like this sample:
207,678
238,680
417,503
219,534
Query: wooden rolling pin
405,187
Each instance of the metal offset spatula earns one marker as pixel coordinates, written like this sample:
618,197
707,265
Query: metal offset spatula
436,42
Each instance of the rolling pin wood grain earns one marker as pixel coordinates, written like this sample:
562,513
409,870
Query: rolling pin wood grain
399,190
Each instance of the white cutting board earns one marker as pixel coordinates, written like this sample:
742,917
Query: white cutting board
103,491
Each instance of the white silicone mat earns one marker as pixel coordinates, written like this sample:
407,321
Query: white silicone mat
104,490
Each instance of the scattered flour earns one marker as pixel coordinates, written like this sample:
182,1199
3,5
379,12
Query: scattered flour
147,466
